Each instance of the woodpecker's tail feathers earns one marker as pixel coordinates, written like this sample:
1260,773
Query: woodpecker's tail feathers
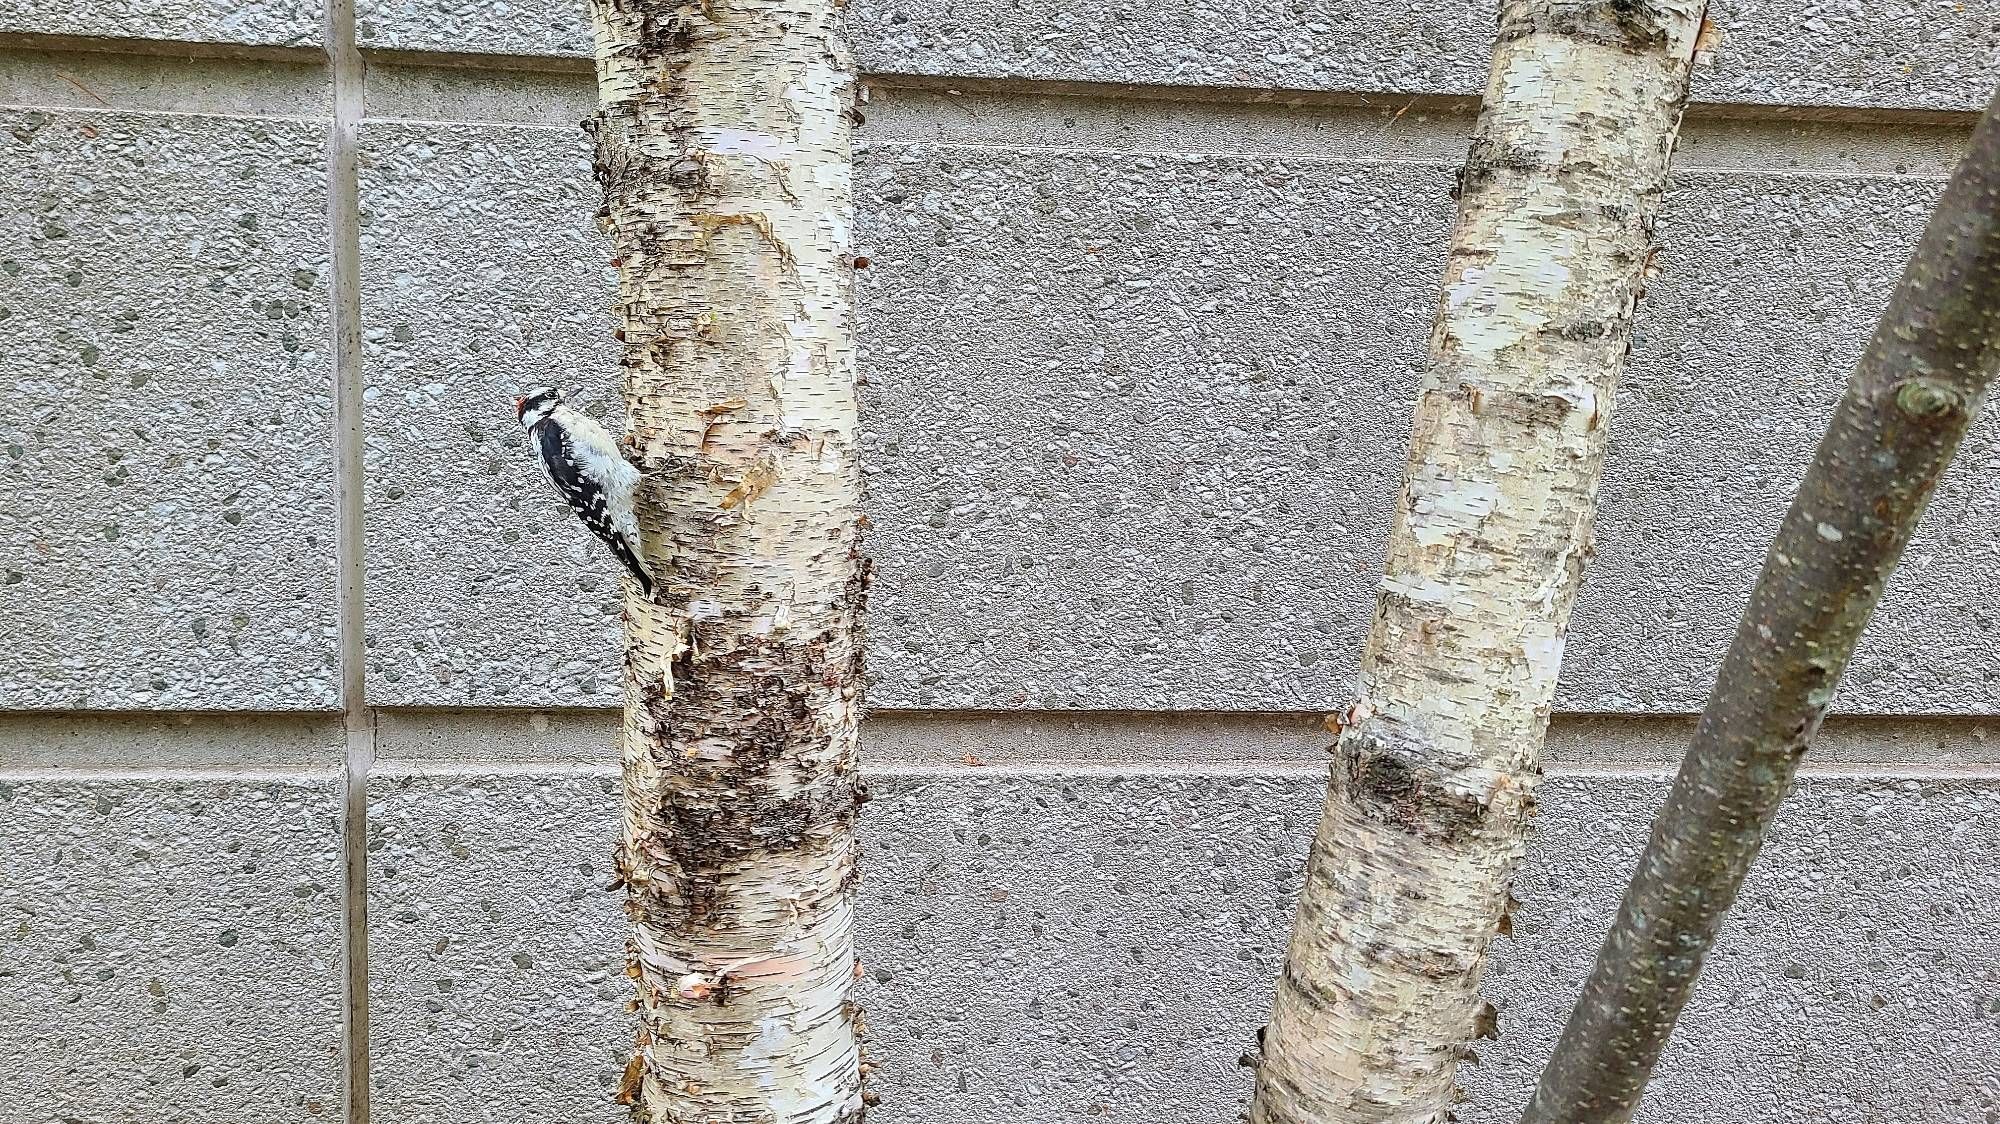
647,588
633,566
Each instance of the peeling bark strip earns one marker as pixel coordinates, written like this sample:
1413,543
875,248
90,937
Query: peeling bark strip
1916,389
723,147
1434,773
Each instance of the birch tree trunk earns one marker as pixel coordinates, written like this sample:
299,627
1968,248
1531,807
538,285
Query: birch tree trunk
1910,400
723,146
1433,776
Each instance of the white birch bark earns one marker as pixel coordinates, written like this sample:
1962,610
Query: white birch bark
1433,777
723,145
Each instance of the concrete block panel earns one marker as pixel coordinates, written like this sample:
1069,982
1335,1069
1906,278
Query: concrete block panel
253,23
533,28
1772,288
1839,55
1155,405
482,277
170,948
496,957
166,440
1138,422
1859,932
1134,427
1047,946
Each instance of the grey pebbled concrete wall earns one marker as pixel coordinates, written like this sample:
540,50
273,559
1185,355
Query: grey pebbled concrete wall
171,945
1152,469
1046,945
213,23
1844,54
1149,291
460,524
166,437
172,919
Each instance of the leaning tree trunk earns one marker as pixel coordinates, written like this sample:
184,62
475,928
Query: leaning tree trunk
723,146
1433,776
1910,400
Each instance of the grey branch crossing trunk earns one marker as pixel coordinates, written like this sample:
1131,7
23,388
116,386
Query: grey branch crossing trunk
724,150
1433,776
1917,388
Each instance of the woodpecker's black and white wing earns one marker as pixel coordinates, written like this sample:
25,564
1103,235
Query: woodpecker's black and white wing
583,463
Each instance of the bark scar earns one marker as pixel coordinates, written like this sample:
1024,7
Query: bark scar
710,223
1394,777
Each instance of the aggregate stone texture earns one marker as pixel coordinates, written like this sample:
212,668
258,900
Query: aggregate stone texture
1155,405
1772,287
1133,427
1043,947
1854,980
482,277
166,439
496,957
259,23
170,949
1150,465
1847,53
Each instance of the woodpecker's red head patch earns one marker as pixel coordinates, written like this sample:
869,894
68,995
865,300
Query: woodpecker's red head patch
537,404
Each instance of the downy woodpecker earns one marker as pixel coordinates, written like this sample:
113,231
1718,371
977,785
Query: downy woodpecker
584,463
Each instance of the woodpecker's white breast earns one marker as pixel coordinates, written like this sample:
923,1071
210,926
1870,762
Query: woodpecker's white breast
596,453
